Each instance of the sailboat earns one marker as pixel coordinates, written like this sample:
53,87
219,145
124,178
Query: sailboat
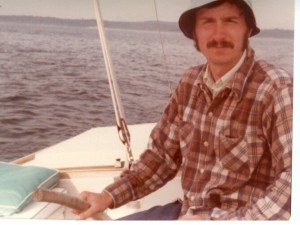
93,159
102,158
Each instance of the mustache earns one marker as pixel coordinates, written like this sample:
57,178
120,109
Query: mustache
222,44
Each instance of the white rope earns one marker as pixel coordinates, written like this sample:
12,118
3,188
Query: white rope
113,84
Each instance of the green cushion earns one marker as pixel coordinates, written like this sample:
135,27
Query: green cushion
18,182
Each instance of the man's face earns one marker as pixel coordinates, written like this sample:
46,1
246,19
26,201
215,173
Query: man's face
221,34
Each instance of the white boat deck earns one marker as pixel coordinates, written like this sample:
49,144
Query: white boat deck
99,146
87,164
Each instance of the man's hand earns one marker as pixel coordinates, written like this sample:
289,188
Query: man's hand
98,203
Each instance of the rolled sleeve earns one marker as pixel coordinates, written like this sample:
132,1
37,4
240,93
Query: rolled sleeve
120,191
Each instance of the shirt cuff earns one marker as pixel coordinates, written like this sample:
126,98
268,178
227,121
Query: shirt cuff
120,191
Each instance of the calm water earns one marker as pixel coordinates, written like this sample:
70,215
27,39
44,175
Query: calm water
53,82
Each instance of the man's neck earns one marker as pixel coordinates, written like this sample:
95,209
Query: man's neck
219,70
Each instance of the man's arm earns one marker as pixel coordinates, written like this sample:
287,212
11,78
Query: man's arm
157,165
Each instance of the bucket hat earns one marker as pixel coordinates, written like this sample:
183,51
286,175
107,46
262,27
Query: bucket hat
187,18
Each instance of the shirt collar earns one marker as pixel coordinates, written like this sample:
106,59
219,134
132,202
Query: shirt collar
239,78
222,81
243,73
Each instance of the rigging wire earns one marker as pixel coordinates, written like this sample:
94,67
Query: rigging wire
163,49
114,88
117,103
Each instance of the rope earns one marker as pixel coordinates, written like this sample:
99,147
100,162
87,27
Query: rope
114,88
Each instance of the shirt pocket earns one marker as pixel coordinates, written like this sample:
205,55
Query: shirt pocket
233,153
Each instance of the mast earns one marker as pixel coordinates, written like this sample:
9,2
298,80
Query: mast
114,87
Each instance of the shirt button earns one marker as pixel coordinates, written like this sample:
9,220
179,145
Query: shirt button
206,144
210,114
192,198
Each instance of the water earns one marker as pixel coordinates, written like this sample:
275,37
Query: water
53,82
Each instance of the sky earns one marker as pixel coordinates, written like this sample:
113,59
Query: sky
270,14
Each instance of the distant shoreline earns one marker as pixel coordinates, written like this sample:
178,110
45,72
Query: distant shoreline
145,25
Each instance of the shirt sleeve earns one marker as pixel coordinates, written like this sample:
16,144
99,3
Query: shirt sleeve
156,166
274,203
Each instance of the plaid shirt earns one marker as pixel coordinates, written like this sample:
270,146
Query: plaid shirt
234,150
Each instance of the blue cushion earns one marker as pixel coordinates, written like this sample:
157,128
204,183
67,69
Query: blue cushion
18,182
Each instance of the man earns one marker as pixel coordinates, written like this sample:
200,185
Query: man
228,126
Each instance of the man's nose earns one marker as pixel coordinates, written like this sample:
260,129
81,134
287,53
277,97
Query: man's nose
219,31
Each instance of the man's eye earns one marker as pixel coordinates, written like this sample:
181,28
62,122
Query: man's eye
207,21
231,21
